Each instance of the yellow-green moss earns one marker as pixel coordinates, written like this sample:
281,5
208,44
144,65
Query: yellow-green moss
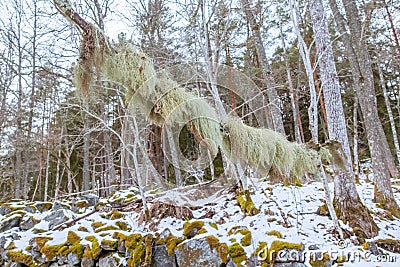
109,243
237,253
15,207
246,239
72,238
76,249
95,248
341,259
50,252
82,204
41,241
171,243
105,228
278,245
212,241
320,261
83,229
38,230
96,225
261,250
213,225
246,203
20,213
223,252
222,249
190,229
148,240
275,233
139,248
11,246
20,257
360,234
116,215
123,226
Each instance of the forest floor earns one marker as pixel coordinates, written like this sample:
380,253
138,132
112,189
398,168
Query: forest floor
287,214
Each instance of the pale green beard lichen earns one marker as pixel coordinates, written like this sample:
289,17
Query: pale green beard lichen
163,101
263,148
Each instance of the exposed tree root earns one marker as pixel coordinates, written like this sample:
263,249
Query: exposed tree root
388,204
358,217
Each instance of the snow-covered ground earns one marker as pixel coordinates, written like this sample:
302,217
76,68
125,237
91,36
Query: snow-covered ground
289,210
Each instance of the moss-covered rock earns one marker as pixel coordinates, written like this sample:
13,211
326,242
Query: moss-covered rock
198,252
246,203
278,245
106,228
191,229
275,233
20,257
237,253
320,260
95,248
138,248
123,226
246,235
109,244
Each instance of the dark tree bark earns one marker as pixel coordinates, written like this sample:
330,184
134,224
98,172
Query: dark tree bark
274,102
347,202
363,78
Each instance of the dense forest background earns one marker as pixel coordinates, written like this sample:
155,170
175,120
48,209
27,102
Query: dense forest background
55,143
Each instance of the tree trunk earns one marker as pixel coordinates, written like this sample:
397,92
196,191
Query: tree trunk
274,101
390,113
292,90
305,55
86,153
356,164
382,160
109,163
347,202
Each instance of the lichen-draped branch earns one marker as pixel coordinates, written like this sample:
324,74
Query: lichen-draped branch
163,101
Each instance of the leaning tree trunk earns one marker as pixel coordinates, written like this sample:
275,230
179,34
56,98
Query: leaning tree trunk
164,102
347,202
382,160
272,94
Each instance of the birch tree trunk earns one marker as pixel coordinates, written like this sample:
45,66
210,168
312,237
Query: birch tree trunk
273,98
390,114
346,199
305,56
357,50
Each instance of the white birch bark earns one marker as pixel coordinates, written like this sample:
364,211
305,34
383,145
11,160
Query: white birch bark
390,114
305,55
